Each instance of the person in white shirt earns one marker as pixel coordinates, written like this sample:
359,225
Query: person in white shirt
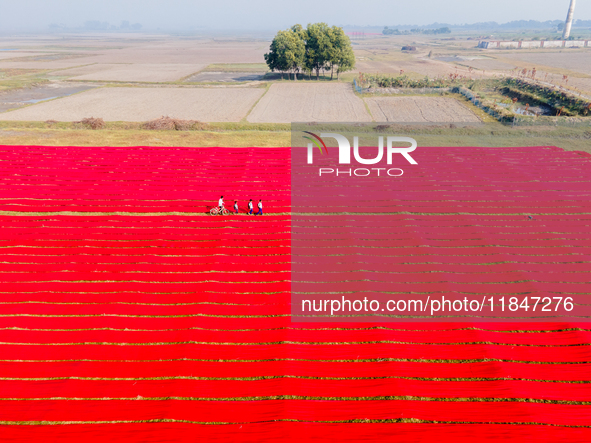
236,206
260,206
250,206
221,203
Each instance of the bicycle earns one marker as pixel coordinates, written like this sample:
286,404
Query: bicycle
217,211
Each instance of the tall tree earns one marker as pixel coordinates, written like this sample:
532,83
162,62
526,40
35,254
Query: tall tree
318,47
287,51
296,50
276,57
341,52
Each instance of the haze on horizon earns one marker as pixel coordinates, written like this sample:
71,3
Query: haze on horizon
267,15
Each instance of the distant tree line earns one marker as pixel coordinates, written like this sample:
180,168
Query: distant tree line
494,26
390,31
314,49
95,25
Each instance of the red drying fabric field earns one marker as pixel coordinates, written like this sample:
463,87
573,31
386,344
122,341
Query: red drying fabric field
128,314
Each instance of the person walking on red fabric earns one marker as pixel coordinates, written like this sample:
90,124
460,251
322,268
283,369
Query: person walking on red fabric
260,205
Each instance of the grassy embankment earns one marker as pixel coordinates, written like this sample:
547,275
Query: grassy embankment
269,134
21,78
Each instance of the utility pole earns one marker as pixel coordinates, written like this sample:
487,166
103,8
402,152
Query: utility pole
569,20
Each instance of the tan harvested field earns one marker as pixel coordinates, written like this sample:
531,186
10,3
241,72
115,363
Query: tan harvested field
579,80
85,70
486,64
18,98
131,49
135,72
304,102
419,110
409,64
142,104
46,65
68,41
134,57
17,54
125,57
571,59
578,85
384,56
174,51
489,65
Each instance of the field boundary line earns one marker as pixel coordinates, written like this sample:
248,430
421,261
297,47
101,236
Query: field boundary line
366,106
299,377
300,214
292,420
245,118
346,360
317,398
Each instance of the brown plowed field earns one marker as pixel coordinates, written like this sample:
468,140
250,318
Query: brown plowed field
4,55
134,72
141,104
570,59
419,109
304,102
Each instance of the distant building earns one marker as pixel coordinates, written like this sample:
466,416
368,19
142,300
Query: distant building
492,44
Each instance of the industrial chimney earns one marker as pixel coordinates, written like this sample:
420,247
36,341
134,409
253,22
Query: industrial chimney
569,20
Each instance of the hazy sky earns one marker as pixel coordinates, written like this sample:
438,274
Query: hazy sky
276,14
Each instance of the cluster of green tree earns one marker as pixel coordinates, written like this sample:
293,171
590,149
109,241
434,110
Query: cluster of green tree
390,31
402,81
318,47
444,30
95,25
